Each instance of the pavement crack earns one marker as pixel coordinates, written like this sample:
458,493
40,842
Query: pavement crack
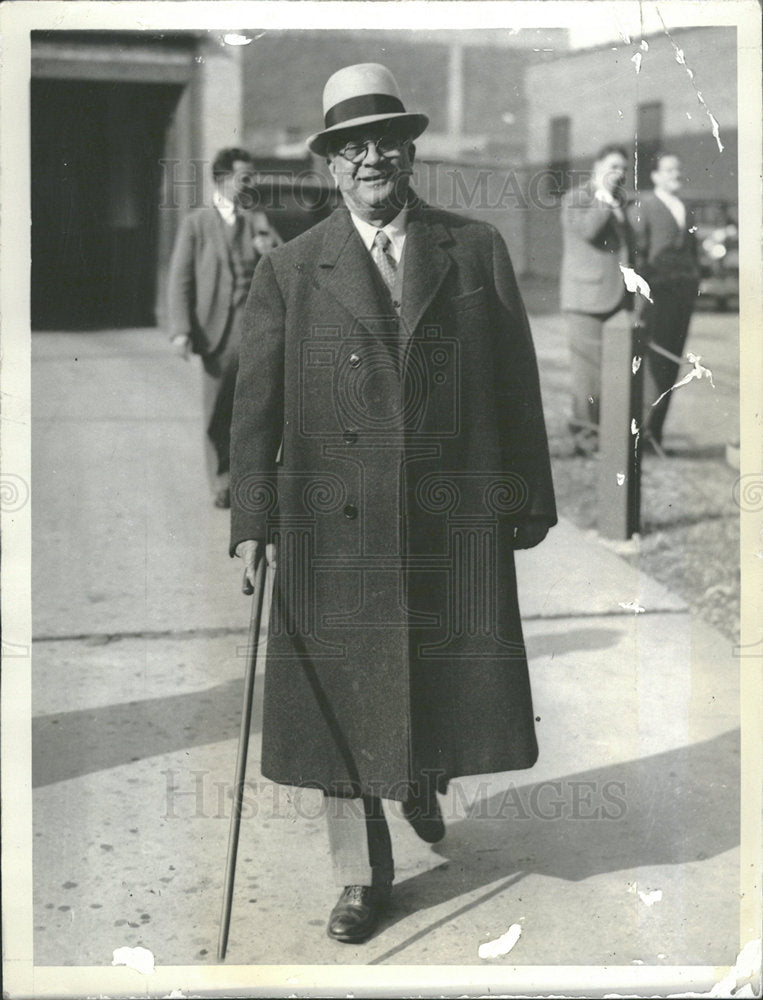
104,638
603,613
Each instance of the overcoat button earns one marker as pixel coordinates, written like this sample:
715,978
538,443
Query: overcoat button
351,511
354,360
350,437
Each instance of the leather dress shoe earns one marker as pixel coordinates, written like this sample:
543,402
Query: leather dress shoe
424,815
357,912
222,499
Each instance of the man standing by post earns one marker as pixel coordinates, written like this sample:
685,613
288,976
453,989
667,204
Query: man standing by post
210,273
388,455
666,257
597,241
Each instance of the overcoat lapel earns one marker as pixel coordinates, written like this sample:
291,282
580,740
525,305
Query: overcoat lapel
625,240
345,268
671,219
345,271
217,233
426,265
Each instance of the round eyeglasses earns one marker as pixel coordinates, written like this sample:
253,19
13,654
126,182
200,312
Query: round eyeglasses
385,145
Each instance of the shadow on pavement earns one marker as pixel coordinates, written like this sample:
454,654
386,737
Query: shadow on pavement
688,450
672,808
570,641
71,744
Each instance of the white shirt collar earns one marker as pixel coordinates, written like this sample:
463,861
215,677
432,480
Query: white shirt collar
224,206
674,204
394,229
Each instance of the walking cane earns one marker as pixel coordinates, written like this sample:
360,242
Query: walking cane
243,746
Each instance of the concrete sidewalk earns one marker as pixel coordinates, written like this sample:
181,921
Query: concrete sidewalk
619,847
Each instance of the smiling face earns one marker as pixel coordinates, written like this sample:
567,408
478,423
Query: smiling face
668,176
373,183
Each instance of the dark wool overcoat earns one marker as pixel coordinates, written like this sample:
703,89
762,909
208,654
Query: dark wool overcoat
390,458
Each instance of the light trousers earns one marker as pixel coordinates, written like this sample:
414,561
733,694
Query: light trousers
218,385
359,841
585,331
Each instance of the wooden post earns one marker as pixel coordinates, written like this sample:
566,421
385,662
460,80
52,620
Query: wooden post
619,492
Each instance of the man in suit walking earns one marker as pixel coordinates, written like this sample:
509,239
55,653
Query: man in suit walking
597,242
389,454
210,273
666,257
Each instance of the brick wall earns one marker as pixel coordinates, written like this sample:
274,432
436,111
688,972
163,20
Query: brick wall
494,100
600,90
284,74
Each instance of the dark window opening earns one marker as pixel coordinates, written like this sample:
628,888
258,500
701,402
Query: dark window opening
559,156
648,140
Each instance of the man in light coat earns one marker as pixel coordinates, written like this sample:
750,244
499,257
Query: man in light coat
388,455
597,241
214,257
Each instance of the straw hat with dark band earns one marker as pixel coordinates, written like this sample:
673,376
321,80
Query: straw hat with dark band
361,95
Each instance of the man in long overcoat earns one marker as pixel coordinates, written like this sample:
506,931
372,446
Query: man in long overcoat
388,454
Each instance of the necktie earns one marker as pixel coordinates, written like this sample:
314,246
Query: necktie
384,260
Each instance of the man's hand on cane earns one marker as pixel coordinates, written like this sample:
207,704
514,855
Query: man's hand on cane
250,551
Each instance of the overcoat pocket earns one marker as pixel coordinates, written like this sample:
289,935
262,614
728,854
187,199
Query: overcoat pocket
468,300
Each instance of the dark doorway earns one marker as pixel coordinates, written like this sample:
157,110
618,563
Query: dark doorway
95,174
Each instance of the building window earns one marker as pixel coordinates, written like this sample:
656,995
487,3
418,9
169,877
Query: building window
648,140
559,155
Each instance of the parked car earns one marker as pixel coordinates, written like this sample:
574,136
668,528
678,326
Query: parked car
293,194
718,239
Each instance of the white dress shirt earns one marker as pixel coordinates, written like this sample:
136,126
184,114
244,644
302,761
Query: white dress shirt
395,230
225,207
674,205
